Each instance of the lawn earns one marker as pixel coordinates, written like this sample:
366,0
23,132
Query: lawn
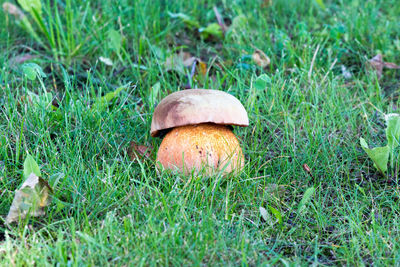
308,194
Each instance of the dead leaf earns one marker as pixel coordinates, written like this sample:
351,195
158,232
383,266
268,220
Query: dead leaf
31,198
106,61
21,59
266,3
13,10
202,67
178,62
189,61
260,58
346,74
377,64
264,214
182,60
139,151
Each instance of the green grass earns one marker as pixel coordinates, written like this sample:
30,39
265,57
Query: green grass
109,210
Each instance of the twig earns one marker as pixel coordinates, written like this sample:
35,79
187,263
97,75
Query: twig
219,19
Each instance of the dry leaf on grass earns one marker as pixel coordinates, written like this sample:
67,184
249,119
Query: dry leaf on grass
31,198
106,61
179,61
13,10
21,59
139,151
260,58
377,64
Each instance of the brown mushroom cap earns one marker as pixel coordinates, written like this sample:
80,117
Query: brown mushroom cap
195,106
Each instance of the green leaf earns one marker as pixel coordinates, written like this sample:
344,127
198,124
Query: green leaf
29,5
306,198
379,155
276,213
32,70
393,130
110,96
262,82
114,40
106,99
30,166
212,29
189,21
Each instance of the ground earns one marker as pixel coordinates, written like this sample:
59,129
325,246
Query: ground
308,193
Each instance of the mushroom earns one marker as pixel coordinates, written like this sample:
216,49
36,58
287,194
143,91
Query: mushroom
197,123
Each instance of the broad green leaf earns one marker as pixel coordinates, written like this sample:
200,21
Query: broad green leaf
276,213
306,198
114,40
393,130
212,29
32,70
30,199
29,5
30,166
190,22
379,155
262,82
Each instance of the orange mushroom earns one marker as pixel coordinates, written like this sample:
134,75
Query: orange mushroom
197,129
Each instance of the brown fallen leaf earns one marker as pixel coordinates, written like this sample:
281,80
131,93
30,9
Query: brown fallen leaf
13,10
31,198
260,58
377,64
266,3
21,59
179,61
139,151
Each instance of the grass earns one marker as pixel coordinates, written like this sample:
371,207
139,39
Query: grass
109,210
